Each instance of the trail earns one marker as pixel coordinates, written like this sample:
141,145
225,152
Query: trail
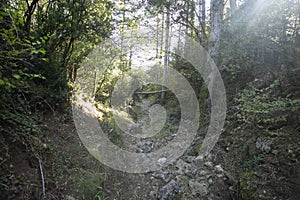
186,177
122,185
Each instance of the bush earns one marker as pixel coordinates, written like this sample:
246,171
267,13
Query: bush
261,107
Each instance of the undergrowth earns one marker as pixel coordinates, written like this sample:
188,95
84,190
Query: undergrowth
265,109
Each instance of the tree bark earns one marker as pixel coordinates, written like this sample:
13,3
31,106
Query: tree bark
233,7
28,15
297,38
203,18
217,8
186,32
166,57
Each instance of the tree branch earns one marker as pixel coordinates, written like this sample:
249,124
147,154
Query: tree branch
152,92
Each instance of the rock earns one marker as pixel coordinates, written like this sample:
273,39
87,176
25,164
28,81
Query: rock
263,144
164,175
219,169
275,152
168,191
208,164
161,161
203,173
138,150
199,158
156,146
153,194
69,197
183,167
220,175
144,146
198,188
189,159
209,157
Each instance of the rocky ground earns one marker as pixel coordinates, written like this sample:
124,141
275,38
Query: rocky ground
246,163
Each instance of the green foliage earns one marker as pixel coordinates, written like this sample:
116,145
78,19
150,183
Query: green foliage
261,107
247,188
90,185
17,73
189,72
42,44
109,125
106,88
259,38
109,78
73,28
253,161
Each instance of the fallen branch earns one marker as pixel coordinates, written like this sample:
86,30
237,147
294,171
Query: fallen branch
42,176
152,92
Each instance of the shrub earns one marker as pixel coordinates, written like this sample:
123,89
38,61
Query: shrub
263,108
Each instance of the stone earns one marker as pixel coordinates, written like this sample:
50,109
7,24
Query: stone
169,190
161,161
263,144
208,164
144,146
203,173
183,167
219,169
68,197
164,175
198,188
189,159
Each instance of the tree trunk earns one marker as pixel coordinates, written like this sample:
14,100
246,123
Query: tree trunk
157,36
233,7
162,37
217,7
297,40
28,15
203,18
166,57
186,32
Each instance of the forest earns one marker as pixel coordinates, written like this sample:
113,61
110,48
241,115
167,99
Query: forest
150,99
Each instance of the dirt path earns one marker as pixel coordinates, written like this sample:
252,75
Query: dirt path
122,185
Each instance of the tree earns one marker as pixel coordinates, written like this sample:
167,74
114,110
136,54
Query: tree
167,48
216,22
42,42
233,7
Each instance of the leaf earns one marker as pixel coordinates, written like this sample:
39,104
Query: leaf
17,76
2,82
43,51
21,21
38,76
